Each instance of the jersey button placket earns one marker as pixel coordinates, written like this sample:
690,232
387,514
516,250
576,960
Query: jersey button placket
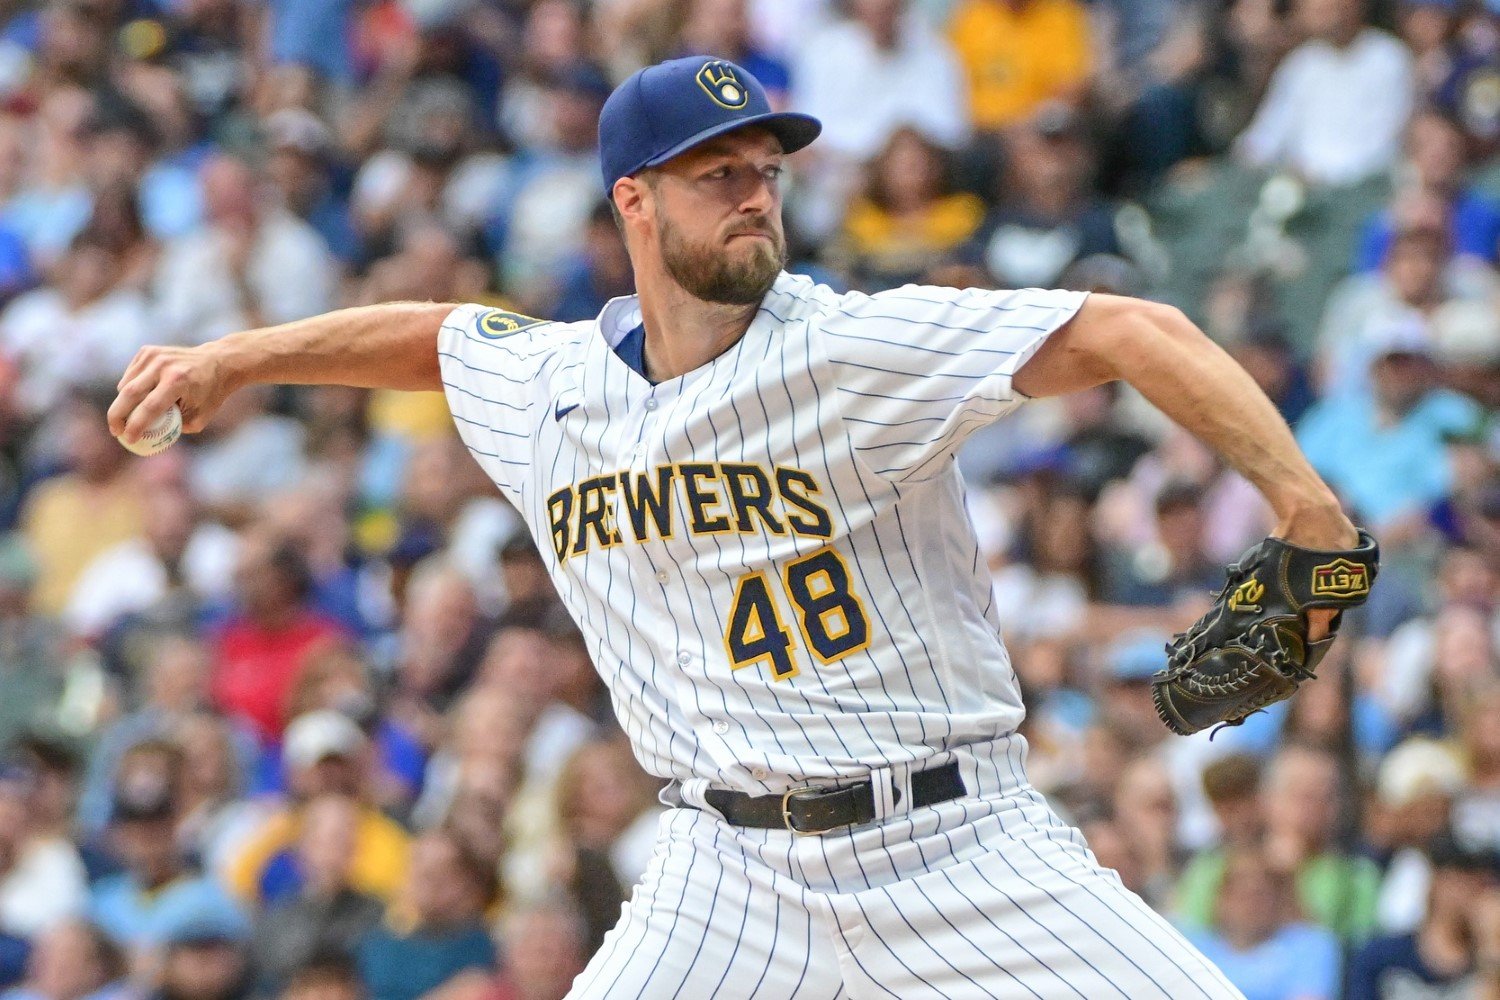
721,727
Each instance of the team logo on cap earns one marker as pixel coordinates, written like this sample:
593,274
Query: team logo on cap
719,82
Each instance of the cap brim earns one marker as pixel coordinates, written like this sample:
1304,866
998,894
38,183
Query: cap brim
793,130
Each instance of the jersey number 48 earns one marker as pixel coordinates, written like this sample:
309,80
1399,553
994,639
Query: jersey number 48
830,616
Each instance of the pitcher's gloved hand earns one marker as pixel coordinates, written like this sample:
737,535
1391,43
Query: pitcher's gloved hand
1252,648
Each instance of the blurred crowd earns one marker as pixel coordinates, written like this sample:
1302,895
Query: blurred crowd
291,711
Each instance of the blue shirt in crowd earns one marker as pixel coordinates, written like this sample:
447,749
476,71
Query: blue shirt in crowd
133,916
1384,471
1298,962
1474,228
405,966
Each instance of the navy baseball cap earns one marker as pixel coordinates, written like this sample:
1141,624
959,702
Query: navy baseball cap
669,108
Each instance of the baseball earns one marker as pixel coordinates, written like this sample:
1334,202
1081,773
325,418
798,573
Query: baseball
159,436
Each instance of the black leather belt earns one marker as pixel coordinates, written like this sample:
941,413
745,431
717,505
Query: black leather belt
816,810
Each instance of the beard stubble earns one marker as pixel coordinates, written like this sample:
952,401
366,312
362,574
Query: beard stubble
709,274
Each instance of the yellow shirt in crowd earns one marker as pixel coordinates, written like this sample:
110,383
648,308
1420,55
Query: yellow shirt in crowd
882,243
377,869
68,522
1018,55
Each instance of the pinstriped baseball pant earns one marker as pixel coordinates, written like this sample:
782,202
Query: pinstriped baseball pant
987,896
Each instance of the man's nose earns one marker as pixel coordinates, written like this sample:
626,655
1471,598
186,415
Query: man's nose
759,196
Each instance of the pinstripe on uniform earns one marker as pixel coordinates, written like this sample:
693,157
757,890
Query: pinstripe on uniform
869,396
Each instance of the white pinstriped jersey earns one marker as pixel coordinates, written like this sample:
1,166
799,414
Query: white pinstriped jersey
769,556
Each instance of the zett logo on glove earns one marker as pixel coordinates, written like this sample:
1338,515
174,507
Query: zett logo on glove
1340,578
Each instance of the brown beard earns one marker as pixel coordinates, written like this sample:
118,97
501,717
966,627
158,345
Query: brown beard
708,274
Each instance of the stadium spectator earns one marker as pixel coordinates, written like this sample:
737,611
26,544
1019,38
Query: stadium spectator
1474,54
1232,786
723,27
216,773
1418,275
42,880
80,329
1466,344
1465,594
484,746
156,893
32,663
254,262
1234,516
597,272
327,916
553,189
1126,692
1434,163
261,649
1393,429
1153,57
1046,218
325,977
1440,956
73,961
448,891
171,688
251,455
1302,797
323,753
908,219
546,949
1477,807
179,556
1257,941
50,203
1316,119
334,677
865,76
1145,811
608,818
553,38
875,71
1018,56
1173,568
443,642
1414,801
204,956
301,172
72,518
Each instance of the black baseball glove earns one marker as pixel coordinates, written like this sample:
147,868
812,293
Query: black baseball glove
1251,649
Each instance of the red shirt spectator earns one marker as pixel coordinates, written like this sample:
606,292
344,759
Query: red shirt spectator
260,653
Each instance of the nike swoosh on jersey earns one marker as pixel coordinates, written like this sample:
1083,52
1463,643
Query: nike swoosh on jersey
562,411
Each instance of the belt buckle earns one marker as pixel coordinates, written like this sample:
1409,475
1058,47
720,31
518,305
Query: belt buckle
786,812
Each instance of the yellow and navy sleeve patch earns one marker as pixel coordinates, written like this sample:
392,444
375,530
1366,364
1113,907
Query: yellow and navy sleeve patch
497,323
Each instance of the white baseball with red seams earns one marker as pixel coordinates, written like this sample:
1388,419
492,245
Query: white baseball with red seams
771,562
161,435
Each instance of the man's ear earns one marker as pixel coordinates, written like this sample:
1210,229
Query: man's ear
632,198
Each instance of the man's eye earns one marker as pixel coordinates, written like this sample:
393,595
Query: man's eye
720,173
774,173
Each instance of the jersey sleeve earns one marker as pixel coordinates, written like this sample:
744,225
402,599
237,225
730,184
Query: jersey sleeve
486,369
918,369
